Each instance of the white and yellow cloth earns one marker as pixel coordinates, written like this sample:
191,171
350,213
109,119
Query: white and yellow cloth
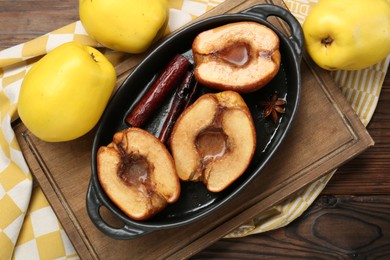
29,228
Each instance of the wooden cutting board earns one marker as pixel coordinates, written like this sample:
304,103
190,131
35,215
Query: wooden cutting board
325,134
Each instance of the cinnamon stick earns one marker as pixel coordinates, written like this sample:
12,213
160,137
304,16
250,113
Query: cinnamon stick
179,103
161,88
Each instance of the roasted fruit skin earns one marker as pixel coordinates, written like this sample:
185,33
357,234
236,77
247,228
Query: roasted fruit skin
137,173
214,140
240,56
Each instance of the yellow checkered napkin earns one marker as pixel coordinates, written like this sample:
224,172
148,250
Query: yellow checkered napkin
42,236
28,227
35,228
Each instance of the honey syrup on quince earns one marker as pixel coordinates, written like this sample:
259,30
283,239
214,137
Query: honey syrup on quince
236,53
211,144
135,171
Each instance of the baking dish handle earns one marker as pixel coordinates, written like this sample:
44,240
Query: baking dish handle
266,10
93,206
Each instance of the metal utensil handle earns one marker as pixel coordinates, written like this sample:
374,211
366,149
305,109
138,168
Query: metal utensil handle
266,10
93,206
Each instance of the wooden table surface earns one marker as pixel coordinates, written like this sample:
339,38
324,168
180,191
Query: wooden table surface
350,219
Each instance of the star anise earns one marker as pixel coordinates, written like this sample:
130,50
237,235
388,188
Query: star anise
273,106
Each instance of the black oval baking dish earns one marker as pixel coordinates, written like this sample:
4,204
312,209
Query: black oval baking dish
195,201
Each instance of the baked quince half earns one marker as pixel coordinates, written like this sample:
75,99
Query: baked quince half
240,56
137,173
214,140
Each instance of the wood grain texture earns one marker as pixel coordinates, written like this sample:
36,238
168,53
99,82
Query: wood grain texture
21,21
358,220
334,227
369,173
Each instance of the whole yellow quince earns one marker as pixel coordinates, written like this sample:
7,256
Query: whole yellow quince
64,94
124,25
348,34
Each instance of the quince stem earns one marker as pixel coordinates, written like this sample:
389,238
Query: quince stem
327,41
